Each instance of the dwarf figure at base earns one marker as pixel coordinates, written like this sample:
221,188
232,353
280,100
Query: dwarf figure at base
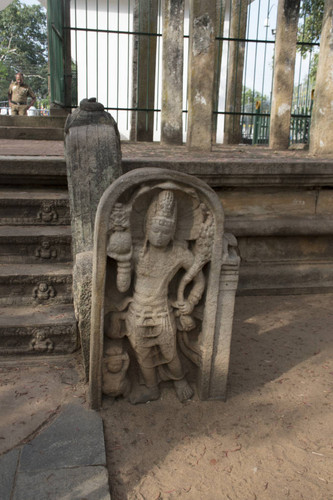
115,365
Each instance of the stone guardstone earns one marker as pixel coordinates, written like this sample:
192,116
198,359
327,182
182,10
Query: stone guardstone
93,159
163,289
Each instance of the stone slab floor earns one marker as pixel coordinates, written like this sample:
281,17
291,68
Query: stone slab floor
272,439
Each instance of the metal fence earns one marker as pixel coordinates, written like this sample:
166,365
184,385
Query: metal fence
117,45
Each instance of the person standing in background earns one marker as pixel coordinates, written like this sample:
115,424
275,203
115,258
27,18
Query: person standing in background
18,94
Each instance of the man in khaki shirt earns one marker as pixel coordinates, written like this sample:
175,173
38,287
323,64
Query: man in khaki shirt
18,93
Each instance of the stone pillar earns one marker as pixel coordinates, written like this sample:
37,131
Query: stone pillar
232,127
321,133
201,74
284,68
67,56
172,72
93,158
220,12
144,63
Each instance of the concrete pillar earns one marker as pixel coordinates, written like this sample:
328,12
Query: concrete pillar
144,63
172,72
201,74
284,68
321,133
232,127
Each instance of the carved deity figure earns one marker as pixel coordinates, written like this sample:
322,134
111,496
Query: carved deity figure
151,314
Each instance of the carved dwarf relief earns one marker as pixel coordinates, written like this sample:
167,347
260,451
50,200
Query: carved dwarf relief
43,291
40,342
160,238
47,213
45,251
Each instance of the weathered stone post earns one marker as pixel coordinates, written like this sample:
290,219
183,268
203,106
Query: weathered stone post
172,72
284,69
220,13
232,127
143,72
201,74
215,387
321,133
93,158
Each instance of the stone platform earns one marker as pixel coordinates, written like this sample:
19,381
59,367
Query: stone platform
279,204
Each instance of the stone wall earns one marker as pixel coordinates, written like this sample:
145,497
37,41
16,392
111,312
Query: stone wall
281,212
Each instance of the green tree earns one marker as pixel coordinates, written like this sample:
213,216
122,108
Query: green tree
309,31
23,47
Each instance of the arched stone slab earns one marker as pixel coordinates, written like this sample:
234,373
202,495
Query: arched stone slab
164,282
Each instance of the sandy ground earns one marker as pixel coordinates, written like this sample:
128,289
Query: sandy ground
272,439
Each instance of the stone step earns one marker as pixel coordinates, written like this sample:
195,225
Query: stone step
285,278
32,121
35,284
34,207
32,133
38,330
30,170
35,244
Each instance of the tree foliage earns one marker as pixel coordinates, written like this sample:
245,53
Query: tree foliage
23,47
312,12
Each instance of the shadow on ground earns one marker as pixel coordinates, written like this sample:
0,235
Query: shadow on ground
269,440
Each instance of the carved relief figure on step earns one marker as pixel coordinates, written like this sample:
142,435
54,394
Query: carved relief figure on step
45,251
40,342
47,213
43,292
150,314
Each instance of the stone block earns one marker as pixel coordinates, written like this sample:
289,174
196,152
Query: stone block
268,202
89,483
325,202
74,439
8,467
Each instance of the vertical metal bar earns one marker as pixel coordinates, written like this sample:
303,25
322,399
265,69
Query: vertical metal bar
245,63
107,52
265,50
76,64
237,118
256,124
138,61
255,59
158,62
117,61
148,67
87,49
220,43
128,65
308,80
97,50
228,53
